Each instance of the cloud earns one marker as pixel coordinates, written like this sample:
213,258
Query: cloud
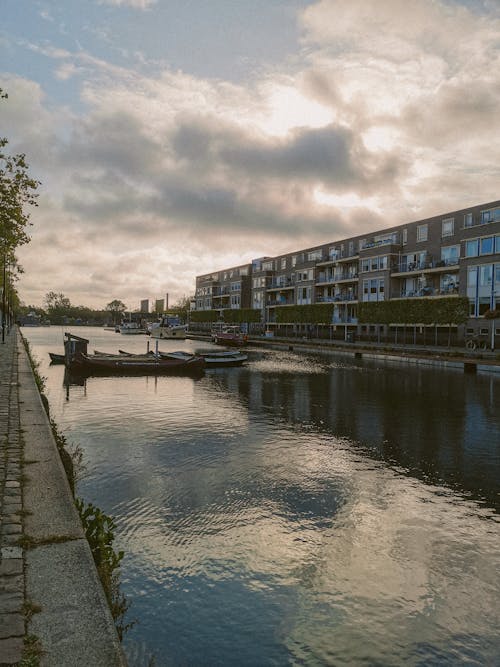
135,4
390,106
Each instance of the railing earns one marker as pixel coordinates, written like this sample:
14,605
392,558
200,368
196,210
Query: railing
279,302
326,278
344,320
337,298
406,267
424,291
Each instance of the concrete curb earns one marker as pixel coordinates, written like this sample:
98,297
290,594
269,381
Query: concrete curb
74,626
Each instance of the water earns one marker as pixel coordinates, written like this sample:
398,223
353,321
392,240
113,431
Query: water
301,510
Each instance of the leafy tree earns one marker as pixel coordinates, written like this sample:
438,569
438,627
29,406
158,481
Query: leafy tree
17,191
181,307
116,308
56,301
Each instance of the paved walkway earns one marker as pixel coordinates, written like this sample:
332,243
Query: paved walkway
12,582
53,611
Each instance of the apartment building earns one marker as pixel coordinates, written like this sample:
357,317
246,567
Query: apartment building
453,254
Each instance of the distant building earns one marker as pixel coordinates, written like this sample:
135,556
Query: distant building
452,254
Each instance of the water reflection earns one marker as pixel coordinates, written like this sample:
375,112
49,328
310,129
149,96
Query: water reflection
299,510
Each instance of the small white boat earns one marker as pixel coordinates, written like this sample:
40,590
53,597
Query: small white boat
131,328
167,329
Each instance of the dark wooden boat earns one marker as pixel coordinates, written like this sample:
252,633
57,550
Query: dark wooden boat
212,359
136,364
57,358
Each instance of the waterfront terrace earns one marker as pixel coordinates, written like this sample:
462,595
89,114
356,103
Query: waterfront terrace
450,255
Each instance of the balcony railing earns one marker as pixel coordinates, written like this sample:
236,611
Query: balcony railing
337,298
408,267
335,278
425,291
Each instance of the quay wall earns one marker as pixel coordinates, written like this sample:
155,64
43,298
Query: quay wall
74,624
486,362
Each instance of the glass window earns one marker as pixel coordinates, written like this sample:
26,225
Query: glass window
472,248
468,222
374,263
283,262
383,262
485,275
405,236
472,276
422,233
497,243
294,260
450,254
487,245
365,265
448,227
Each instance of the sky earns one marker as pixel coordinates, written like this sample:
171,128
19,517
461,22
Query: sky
174,138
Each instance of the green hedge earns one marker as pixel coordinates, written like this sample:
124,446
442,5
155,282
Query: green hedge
317,313
204,315
447,310
242,315
235,316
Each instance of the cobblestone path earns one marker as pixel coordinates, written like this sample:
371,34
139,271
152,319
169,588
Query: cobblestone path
12,581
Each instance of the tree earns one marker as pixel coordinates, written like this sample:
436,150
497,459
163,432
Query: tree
56,301
116,308
17,191
181,307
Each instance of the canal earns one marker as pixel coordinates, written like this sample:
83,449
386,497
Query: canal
302,509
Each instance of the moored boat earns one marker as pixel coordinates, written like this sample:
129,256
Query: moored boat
136,364
57,358
168,327
231,336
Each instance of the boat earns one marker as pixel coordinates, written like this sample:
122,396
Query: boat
212,359
57,358
135,364
168,327
131,327
230,336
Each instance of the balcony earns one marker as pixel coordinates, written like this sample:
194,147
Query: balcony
339,298
327,279
430,266
280,302
425,291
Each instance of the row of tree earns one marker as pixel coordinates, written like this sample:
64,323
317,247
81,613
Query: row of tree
17,193
58,309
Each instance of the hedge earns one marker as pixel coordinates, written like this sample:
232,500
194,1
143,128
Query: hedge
447,310
317,313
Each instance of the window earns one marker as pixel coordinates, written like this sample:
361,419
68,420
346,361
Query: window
294,260
267,266
365,264
448,227
314,255
450,254
493,215
422,232
472,276
485,275
283,262
472,248
497,243
487,245
351,248
405,236
333,253
468,221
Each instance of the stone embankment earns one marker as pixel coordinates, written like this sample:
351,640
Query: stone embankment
51,600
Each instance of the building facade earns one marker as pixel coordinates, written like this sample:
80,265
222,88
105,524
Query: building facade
454,254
